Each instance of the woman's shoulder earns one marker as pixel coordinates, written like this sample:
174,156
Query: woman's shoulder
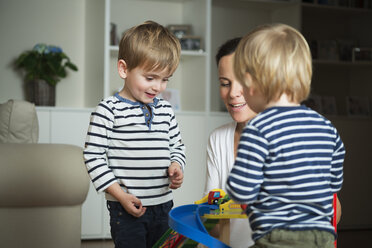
223,130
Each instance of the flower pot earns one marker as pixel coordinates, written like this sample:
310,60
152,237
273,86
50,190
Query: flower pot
44,94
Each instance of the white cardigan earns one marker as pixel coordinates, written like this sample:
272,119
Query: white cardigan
220,160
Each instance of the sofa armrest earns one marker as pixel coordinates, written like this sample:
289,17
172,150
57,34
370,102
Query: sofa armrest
38,175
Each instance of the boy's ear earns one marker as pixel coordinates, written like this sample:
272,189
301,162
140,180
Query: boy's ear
249,84
251,91
122,68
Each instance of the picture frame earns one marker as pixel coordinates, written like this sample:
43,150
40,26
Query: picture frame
190,43
344,3
180,31
173,97
329,106
314,102
328,50
346,49
114,40
361,54
358,106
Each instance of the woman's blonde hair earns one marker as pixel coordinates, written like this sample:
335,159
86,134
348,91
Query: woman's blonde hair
278,59
150,46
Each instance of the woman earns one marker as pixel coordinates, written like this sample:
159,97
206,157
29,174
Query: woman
223,141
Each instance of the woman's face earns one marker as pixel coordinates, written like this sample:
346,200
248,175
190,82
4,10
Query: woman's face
231,91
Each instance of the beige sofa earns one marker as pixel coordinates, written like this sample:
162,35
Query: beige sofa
42,186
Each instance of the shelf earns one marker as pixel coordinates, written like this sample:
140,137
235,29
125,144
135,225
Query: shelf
266,5
334,8
341,63
115,49
193,53
349,118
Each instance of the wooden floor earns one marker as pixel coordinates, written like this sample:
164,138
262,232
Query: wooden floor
97,244
346,239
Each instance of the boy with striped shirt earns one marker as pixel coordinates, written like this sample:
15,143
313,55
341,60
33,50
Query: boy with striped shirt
290,158
133,150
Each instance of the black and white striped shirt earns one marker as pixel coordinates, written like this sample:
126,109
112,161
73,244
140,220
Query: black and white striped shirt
133,144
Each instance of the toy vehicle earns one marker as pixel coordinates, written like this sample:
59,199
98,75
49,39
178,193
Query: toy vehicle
213,197
222,206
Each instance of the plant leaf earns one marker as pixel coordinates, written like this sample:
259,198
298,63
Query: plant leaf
71,66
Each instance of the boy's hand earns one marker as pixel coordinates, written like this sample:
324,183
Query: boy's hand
175,175
133,205
130,203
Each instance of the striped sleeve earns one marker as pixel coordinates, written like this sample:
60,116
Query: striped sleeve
246,175
177,148
96,146
337,164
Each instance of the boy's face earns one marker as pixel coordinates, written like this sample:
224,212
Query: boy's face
143,86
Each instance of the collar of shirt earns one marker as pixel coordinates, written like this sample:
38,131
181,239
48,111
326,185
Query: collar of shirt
145,110
153,104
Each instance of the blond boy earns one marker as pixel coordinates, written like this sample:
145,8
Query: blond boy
290,158
133,150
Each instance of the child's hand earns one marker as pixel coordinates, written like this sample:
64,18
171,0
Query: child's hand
175,175
133,205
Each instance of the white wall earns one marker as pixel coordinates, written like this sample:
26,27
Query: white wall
94,50
23,23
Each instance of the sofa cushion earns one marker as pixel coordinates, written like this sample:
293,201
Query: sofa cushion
18,122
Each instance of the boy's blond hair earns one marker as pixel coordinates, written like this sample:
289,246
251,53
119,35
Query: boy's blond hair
150,46
278,59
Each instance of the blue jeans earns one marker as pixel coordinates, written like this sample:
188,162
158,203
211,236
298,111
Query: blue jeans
128,231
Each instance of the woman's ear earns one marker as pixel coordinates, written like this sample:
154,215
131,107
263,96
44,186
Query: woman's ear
122,68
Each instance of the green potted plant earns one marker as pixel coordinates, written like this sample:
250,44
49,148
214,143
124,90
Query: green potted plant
44,67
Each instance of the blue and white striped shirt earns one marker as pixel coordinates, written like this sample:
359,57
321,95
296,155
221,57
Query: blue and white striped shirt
289,164
128,144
